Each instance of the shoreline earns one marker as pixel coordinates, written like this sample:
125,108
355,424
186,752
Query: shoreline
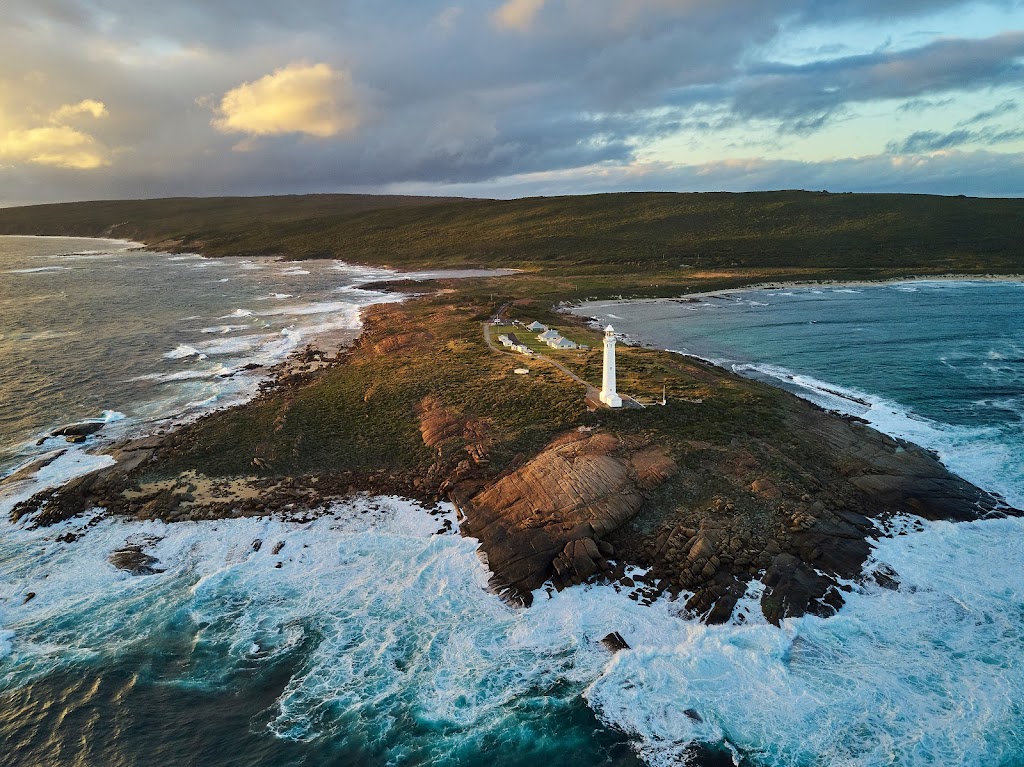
319,348
889,417
140,245
415,412
800,285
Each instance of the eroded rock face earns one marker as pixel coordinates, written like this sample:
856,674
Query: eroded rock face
545,519
801,527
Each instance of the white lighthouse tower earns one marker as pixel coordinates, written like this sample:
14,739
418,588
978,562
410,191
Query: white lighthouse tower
608,394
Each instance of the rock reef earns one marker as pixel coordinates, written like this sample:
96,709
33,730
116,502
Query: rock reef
589,497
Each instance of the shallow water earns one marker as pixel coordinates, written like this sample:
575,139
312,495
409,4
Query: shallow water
376,642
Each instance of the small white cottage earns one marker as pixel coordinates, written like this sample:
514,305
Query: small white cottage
562,343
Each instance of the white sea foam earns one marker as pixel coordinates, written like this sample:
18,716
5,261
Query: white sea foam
224,328
37,269
234,345
184,375
315,307
87,255
925,675
396,622
181,352
980,454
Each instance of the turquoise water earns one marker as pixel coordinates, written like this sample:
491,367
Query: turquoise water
369,637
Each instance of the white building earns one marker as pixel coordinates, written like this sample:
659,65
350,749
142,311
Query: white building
562,343
537,327
548,335
608,394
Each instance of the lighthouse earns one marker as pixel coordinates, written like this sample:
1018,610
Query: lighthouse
608,394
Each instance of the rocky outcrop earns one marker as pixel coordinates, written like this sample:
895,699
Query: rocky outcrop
132,559
81,493
461,443
802,528
546,519
83,429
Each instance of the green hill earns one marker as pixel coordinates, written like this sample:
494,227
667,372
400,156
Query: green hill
608,233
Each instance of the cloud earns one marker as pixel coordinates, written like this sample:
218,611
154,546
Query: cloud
476,93
997,111
977,173
518,15
933,141
95,109
807,95
311,99
57,144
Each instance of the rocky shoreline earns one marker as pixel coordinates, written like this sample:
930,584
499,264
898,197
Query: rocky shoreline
791,498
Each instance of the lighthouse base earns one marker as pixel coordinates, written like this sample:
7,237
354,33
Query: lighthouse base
611,399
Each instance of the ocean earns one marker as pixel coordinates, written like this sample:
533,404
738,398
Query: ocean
364,637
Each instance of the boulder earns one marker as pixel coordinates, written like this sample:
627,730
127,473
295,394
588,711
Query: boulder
132,559
83,429
583,486
614,642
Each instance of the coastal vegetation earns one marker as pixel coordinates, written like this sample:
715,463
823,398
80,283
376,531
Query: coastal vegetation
651,242
731,480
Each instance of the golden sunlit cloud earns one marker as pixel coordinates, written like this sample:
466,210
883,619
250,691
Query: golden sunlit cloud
57,144
300,98
96,109
518,14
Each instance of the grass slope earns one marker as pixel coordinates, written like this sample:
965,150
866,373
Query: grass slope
623,233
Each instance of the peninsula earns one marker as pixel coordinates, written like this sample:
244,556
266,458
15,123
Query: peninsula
730,482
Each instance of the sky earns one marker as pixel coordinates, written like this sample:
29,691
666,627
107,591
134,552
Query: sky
108,99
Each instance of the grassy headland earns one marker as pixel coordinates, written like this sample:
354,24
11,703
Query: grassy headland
729,481
648,241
